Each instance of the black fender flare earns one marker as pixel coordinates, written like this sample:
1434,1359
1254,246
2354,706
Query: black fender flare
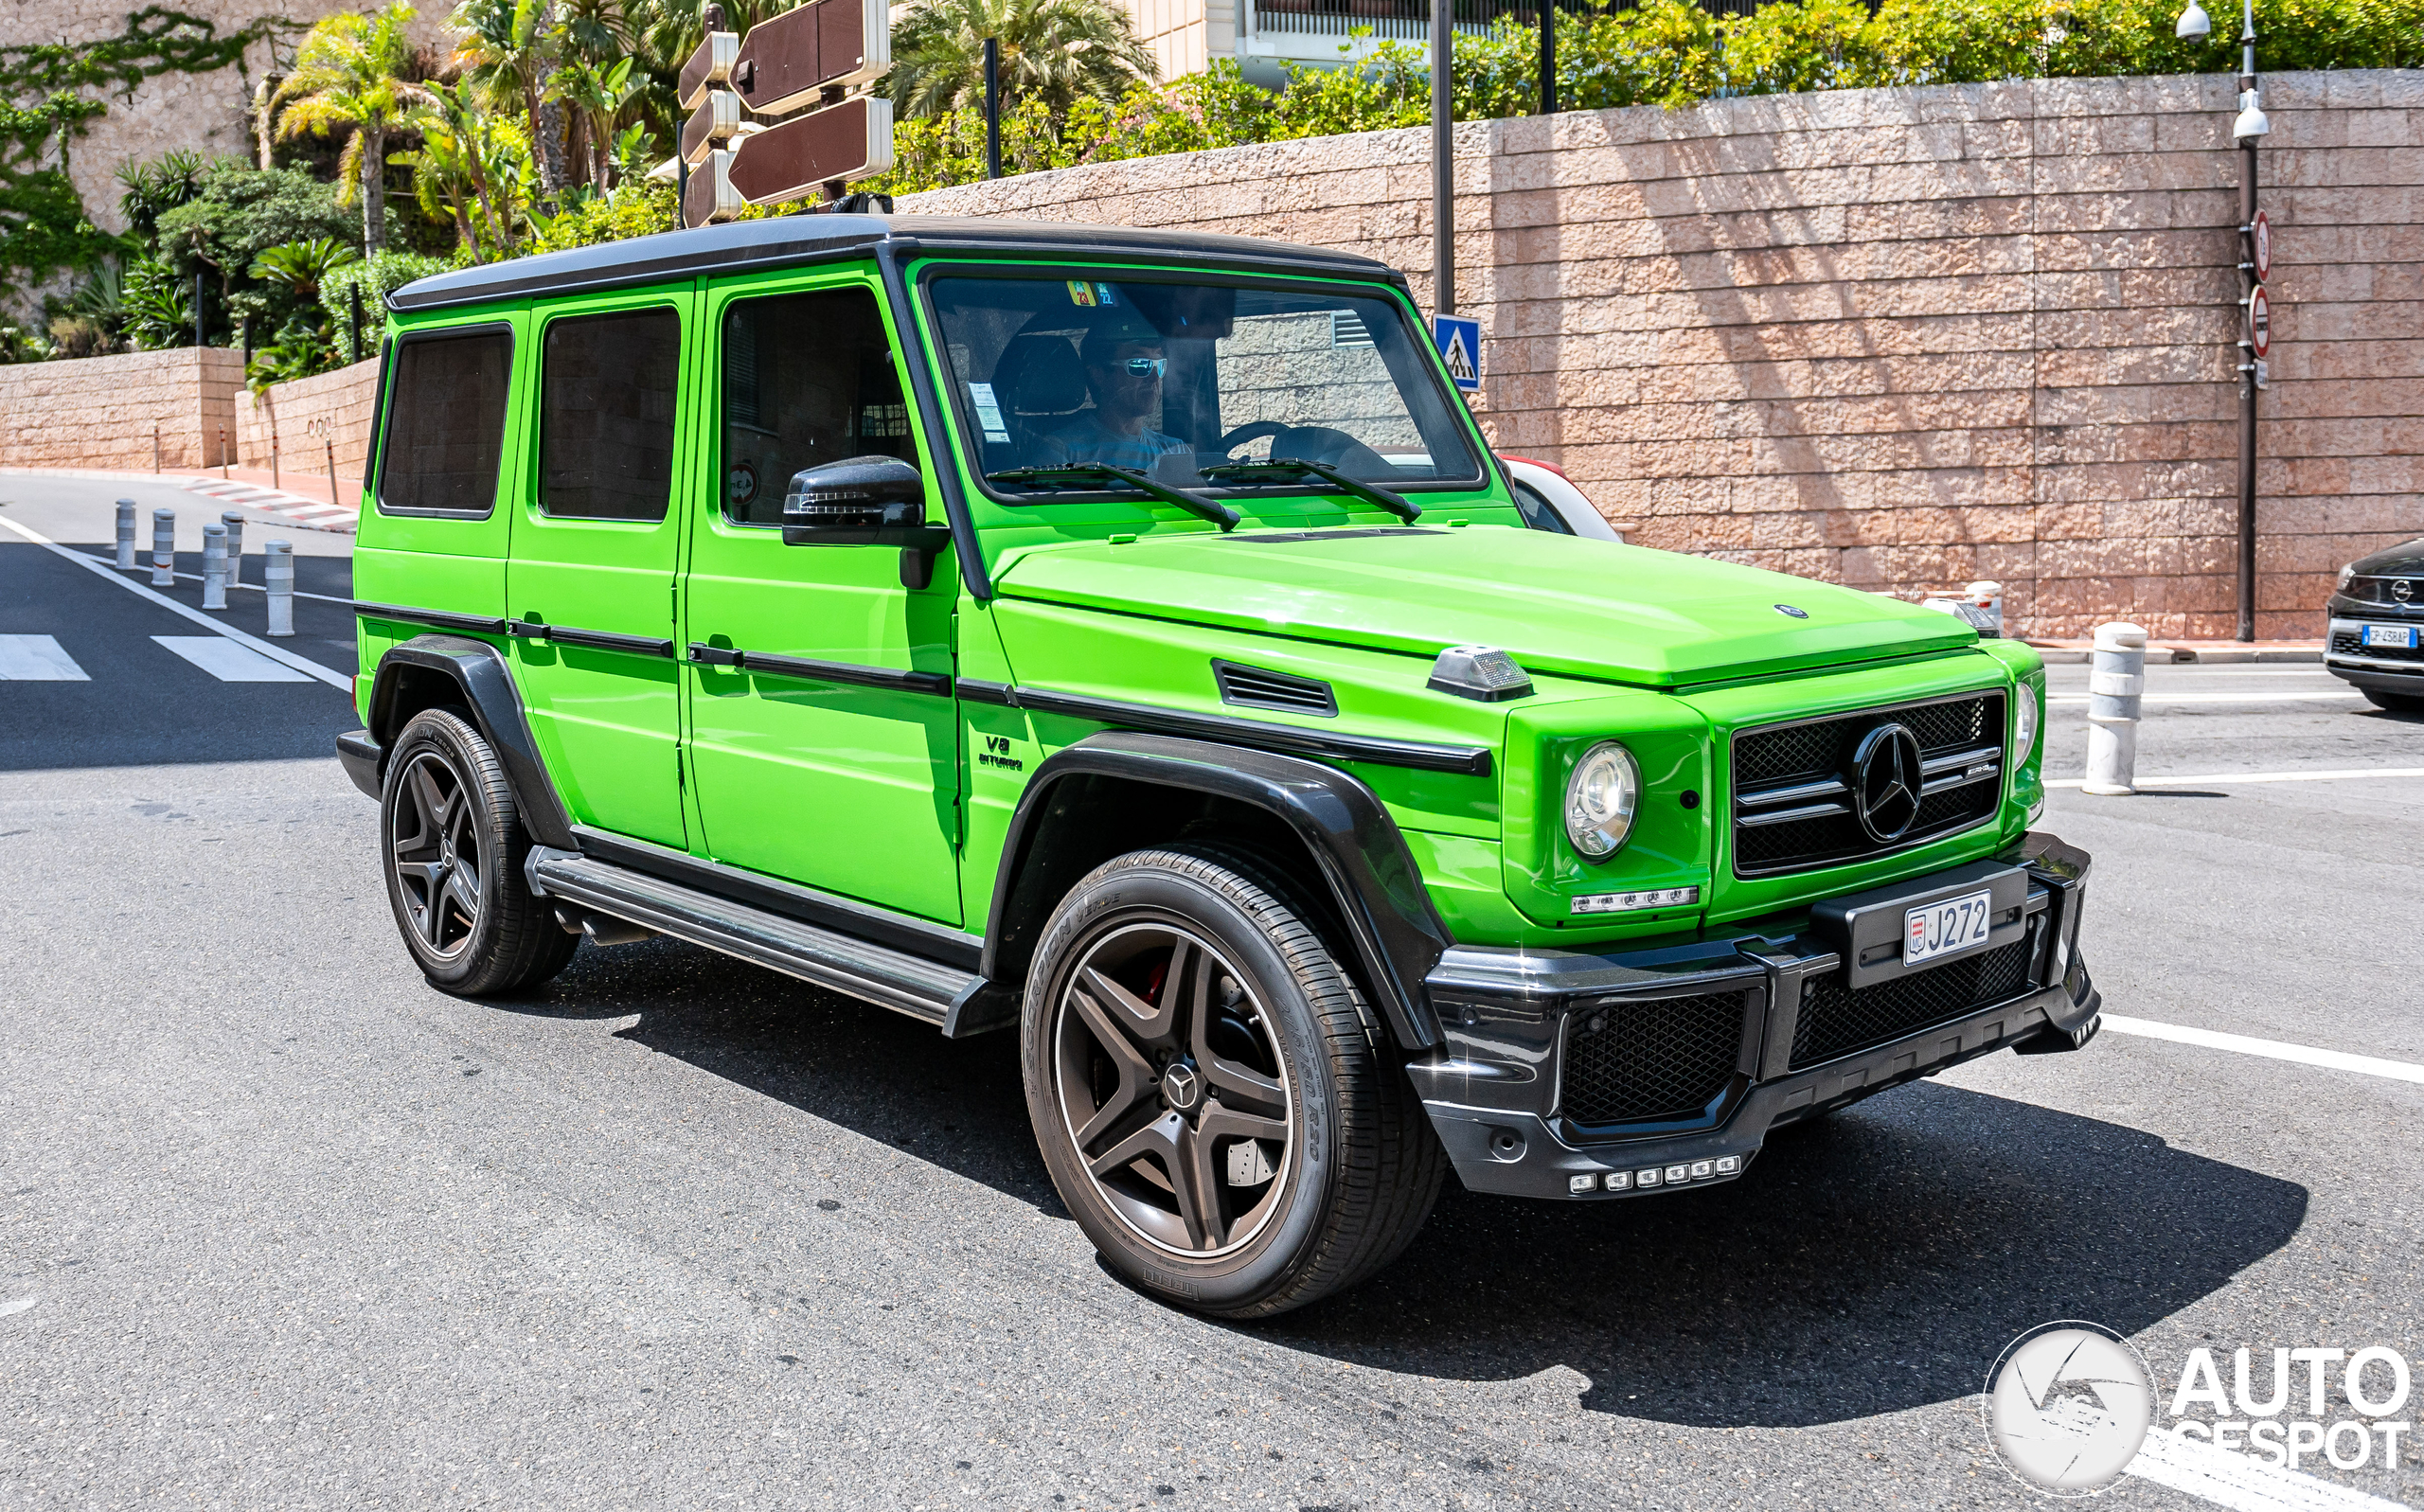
1397,933
480,671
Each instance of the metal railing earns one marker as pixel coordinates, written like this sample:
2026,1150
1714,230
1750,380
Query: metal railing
1410,20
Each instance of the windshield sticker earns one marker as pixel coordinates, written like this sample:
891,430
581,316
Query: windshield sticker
1081,292
988,412
1103,295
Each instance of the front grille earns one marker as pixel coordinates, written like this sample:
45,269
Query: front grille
1792,783
1837,1021
2352,643
1256,687
1641,1062
2385,590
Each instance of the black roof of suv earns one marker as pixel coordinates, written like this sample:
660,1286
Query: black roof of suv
799,239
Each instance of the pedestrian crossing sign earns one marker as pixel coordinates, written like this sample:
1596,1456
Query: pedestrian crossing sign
1459,342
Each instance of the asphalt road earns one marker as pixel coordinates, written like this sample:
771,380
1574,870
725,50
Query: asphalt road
281,1225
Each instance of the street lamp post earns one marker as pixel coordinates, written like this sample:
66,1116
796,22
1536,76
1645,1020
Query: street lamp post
1443,162
2249,128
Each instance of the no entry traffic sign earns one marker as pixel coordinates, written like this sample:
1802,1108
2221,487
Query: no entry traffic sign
2259,321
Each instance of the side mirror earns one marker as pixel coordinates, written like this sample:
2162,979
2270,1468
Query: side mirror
866,501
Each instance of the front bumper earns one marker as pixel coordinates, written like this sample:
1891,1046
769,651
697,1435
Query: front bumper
1544,1050
2384,671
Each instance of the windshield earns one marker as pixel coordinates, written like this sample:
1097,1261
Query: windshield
1170,378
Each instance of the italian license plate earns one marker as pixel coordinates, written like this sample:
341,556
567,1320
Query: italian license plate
2403,636
1948,928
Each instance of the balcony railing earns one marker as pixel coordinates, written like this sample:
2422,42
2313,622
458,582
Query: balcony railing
1410,20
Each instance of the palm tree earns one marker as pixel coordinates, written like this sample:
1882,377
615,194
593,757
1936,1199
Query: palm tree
510,50
348,74
302,265
460,149
597,94
1058,51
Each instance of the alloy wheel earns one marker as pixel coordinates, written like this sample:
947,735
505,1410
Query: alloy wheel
434,841
1173,1090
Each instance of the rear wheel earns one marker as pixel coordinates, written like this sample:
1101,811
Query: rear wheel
1212,1099
2395,702
453,847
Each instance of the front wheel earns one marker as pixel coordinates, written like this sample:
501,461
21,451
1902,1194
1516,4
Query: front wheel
1212,1101
454,847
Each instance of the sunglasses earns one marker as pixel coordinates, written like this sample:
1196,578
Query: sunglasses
1138,367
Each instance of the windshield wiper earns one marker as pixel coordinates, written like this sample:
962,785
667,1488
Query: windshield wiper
1397,504
1194,503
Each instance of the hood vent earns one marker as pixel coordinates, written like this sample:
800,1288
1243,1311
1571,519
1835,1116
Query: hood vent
1252,687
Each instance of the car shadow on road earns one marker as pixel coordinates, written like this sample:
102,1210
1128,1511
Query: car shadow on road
1874,1262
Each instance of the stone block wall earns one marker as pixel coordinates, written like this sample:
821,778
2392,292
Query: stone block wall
102,411
294,414
1905,338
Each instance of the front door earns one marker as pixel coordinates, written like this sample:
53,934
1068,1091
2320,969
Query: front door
830,756
589,582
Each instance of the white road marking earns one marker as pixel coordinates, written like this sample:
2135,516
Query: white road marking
2269,1049
2226,778
36,659
228,662
240,588
2242,1482
277,653
2291,696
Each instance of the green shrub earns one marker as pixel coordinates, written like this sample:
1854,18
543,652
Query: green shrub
377,276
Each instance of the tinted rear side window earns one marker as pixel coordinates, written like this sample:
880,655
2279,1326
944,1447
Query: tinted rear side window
446,424
606,396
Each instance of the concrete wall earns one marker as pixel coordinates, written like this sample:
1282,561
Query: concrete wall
293,415
1905,338
101,412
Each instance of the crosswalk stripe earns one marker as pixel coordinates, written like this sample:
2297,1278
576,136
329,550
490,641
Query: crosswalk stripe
36,659
228,662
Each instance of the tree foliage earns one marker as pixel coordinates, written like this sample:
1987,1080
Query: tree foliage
1056,51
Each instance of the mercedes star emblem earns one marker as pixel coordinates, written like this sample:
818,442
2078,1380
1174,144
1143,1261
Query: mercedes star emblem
1885,782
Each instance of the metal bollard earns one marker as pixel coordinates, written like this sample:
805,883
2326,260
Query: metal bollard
163,548
277,571
214,565
2115,686
235,524
126,533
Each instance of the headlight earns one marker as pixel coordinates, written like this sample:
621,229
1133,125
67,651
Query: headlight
2024,724
2346,574
1599,799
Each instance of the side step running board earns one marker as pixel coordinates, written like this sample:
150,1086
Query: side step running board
951,999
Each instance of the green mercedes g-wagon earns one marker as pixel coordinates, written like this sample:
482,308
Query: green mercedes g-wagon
1128,639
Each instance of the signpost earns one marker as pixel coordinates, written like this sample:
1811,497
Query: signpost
2260,246
2259,322
810,64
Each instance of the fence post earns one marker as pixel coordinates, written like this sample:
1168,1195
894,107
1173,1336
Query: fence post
163,548
235,524
277,571
126,533
2115,686
214,565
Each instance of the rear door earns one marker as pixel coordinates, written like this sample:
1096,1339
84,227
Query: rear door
590,582
831,754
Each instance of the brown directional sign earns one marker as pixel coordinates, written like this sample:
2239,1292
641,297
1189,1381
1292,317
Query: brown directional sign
845,141
787,59
710,64
708,195
716,121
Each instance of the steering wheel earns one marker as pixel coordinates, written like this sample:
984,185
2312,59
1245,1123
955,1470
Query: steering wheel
1254,432
1312,443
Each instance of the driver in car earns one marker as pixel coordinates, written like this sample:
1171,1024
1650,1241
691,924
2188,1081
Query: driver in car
1124,374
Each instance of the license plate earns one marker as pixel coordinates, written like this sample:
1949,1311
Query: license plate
2403,636
1946,929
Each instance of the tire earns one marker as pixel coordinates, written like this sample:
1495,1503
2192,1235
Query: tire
452,846
2395,703
1183,1014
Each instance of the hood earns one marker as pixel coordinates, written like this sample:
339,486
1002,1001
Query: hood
2405,559
1559,604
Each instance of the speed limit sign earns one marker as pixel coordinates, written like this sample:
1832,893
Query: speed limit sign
2259,321
2259,244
